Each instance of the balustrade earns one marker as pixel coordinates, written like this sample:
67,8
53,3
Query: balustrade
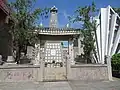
58,31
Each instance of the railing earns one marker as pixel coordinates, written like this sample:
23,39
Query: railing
56,31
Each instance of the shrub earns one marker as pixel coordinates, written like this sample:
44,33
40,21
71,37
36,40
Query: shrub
116,62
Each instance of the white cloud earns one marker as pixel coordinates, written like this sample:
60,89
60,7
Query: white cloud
65,14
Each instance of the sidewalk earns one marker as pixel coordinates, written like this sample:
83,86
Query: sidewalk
35,86
63,85
95,85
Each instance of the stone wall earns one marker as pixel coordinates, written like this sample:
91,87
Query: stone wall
19,73
89,72
54,74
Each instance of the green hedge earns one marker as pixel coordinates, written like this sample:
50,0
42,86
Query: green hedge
116,62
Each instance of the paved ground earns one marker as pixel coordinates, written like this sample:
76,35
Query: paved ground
101,85
63,85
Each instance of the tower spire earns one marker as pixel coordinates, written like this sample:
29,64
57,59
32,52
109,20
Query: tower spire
53,17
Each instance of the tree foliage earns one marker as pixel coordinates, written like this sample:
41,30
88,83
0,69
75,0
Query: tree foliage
86,16
117,10
116,62
22,29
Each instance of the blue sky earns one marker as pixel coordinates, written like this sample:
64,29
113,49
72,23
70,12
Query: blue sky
67,8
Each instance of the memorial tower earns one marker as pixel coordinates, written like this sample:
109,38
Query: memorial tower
53,17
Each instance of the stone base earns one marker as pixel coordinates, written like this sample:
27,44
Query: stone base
72,62
35,62
19,73
89,72
10,64
10,59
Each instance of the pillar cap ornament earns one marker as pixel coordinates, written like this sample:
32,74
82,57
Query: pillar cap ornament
53,9
68,25
41,24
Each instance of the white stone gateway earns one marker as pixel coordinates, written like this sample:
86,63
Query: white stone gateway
107,33
108,36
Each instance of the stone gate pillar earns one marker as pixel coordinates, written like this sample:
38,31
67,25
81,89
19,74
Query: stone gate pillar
71,53
68,65
37,54
79,45
109,68
41,68
41,63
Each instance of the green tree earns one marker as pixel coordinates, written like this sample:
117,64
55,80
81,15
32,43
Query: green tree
116,62
86,16
22,29
117,10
